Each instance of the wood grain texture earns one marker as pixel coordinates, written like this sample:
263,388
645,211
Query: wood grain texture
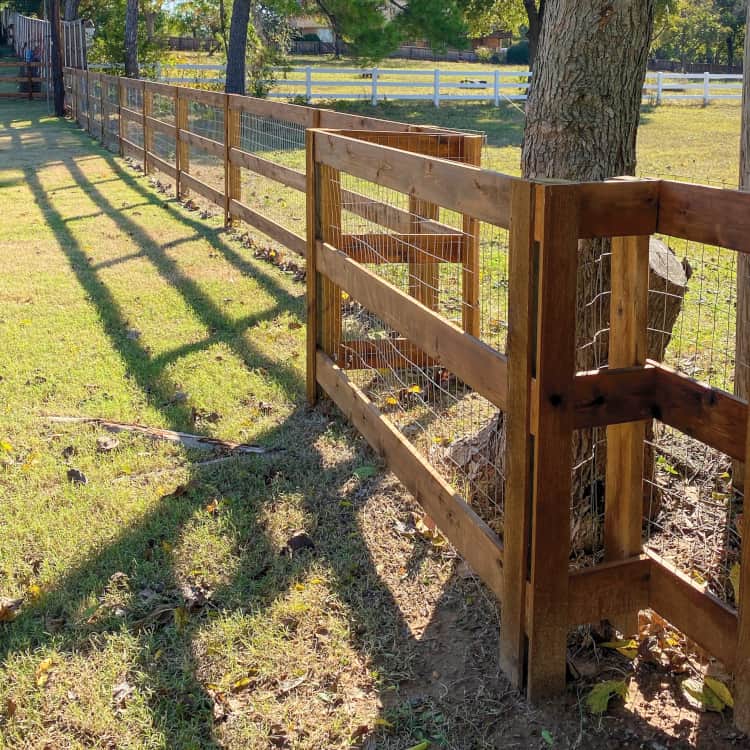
262,223
471,148
480,366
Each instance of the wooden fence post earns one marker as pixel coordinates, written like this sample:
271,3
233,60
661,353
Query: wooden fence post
232,173
313,232
547,614
182,147
522,343
120,128
628,342
742,662
470,311
101,108
147,130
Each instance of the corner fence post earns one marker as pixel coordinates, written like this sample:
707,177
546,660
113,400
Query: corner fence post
522,344
311,197
628,342
742,661
549,549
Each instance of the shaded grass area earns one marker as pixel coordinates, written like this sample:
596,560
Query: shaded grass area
158,610
117,304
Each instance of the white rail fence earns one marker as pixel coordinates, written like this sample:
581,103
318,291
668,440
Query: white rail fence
24,31
438,85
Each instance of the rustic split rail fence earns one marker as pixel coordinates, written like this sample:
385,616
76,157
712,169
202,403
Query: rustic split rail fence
441,295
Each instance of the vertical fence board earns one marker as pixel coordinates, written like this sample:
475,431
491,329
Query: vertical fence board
329,294
232,173
519,444
182,147
470,313
311,197
547,614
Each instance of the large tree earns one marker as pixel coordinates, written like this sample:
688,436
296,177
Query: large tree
56,58
131,39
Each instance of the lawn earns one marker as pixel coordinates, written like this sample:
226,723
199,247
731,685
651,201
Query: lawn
161,606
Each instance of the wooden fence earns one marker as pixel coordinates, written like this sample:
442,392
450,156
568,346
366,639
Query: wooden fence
130,115
399,222
535,383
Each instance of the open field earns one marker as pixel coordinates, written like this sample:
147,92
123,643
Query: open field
159,609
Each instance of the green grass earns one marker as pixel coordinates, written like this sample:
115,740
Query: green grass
115,302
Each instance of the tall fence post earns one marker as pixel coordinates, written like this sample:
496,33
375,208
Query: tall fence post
436,88
706,88
496,88
146,125
232,173
659,86
120,120
742,663
549,542
628,343
182,147
374,87
102,123
522,345
308,83
313,232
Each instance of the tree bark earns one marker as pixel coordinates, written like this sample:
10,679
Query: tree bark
535,14
581,123
222,27
237,47
70,12
131,39
56,63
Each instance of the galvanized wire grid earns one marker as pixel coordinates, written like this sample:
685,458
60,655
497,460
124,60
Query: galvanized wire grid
690,508
206,120
163,109
437,412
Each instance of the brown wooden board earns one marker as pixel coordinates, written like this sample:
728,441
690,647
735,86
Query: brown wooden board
277,172
200,187
403,248
269,227
209,145
397,353
301,115
477,364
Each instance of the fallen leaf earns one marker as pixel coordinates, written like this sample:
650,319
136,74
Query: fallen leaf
43,670
600,695
6,447
719,689
213,508
105,444
76,476
9,609
298,541
360,731
701,697
120,693
34,592
180,618
294,325
366,471
423,745
628,648
10,708
286,686
383,723
241,684
68,452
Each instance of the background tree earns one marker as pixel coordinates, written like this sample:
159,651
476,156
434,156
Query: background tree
131,39
70,12
56,60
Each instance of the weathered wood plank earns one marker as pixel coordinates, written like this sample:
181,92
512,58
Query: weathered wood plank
307,117
466,189
477,364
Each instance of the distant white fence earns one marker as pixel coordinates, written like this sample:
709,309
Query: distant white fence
386,84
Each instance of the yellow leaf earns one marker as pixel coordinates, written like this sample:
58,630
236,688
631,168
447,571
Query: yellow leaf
344,296
213,507
241,684
43,670
734,579
391,401
27,465
166,547
6,447
299,587
697,577
600,695
719,689
415,389
34,592
628,648
382,723
316,581
700,697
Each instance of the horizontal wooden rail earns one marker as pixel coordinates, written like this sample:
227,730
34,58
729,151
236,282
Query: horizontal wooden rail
131,114
397,353
161,89
465,530
693,610
210,98
713,416
269,227
160,164
477,193
607,590
277,172
200,187
133,146
209,145
618,208
440,145
162,127
404,248
307,117
714,216
480,366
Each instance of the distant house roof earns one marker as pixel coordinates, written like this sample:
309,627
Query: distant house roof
308,22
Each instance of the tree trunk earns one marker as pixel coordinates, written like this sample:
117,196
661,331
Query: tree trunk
535,14
222,27
70,12
742,355
150,18
237,47
581,123
56,66
131,39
